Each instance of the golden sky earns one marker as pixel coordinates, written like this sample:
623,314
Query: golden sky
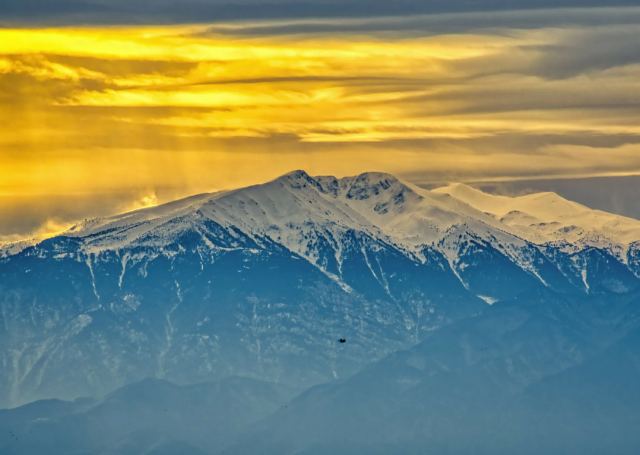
99,119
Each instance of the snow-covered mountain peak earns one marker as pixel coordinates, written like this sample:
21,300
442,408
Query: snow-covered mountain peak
546,206
370,184
380,192
365,186
548,217
372,197
298,210
273,274
297,179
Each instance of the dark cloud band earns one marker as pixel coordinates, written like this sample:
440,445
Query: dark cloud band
171,11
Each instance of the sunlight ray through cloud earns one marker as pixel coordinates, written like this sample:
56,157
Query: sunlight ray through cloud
110,108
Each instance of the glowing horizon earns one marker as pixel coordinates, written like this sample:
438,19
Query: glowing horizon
124,114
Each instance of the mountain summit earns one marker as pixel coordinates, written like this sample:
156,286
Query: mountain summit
260,281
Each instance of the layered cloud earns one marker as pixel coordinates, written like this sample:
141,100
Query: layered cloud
171,11
119,112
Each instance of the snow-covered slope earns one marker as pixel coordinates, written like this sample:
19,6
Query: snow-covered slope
373,201
315,216
11,248
311,216
548,217
378,203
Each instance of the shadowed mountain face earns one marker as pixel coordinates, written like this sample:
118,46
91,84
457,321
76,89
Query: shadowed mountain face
263,312
263,281
541,375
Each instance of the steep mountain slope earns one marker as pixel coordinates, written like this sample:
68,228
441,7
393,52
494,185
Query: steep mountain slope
262,281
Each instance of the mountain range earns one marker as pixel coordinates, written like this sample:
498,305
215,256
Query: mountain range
473,323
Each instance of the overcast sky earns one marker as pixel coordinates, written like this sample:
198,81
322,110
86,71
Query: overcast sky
112,105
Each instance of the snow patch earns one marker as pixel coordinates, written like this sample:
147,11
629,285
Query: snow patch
487,299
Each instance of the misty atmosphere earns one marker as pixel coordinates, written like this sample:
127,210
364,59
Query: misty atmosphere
319,227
